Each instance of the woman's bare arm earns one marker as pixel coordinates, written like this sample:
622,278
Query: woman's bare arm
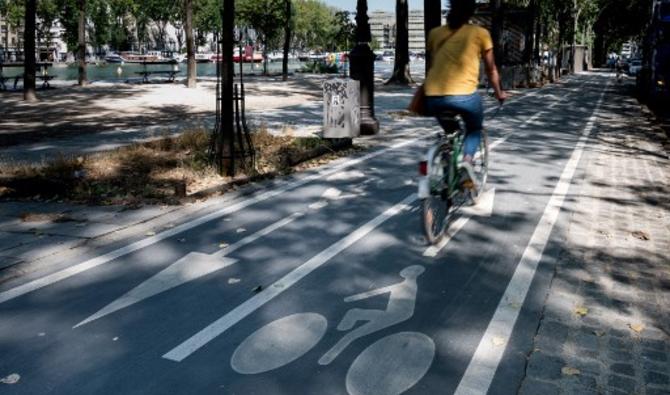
492,73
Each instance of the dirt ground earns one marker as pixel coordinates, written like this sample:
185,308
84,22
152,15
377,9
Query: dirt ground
66,109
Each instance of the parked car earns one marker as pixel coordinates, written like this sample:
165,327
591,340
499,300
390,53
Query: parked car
634,67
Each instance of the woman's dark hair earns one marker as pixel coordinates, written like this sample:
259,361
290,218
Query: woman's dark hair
460,13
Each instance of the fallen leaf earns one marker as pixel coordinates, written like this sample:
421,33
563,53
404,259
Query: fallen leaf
637,327
570,371
11,379
599,333
638,234
498,341
581,311
233,280
605,234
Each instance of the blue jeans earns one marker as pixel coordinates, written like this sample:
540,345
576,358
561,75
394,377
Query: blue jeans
469,107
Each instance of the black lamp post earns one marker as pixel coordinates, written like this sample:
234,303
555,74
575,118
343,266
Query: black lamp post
224,145
362,69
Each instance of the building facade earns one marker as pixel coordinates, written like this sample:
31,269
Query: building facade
9,39
417,36
383,29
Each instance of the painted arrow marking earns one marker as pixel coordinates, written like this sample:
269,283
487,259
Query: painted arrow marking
192,266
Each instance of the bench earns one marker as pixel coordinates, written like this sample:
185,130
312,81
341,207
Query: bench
145,74
45,81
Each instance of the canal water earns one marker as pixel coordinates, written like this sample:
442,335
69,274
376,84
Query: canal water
117,71
114,72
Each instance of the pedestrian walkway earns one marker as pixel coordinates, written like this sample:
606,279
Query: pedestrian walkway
605,328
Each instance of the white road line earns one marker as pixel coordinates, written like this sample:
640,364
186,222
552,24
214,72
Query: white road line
219,326
481,370
102,259
261,233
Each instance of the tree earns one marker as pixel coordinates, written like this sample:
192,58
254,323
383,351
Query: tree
618,21
81,46
207,16
14,13
29,51
266,17
190,44
100,28
288,22
313,24
401,74
345,31
497,18
47,13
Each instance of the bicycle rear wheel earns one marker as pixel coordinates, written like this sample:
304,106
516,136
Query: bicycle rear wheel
436,208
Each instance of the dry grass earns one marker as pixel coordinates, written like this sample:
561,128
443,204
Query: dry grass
148,173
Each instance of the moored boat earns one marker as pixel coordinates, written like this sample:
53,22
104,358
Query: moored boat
113,58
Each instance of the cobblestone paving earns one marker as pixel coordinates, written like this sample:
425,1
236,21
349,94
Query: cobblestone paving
606,323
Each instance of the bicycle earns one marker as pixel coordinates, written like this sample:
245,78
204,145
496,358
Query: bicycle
445,184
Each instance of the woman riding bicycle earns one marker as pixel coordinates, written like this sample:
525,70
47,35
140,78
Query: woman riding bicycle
455,52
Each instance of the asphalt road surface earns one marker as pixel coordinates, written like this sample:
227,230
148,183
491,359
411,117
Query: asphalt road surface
322,284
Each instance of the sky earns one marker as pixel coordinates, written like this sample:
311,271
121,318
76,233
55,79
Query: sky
373,5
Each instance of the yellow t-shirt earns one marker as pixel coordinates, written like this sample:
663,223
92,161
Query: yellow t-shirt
455,63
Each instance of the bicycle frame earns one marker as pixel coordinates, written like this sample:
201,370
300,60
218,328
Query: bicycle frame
453,143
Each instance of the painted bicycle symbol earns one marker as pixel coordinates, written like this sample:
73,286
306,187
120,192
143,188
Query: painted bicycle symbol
388,366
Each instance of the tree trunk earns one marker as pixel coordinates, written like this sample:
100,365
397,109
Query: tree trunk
287,40
81,48
265,57
432,18
537,55
573,50
530,30
29,52
191,77
497,20
225,148
401,74
561,39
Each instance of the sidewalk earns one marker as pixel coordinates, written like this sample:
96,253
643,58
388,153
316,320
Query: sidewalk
605,328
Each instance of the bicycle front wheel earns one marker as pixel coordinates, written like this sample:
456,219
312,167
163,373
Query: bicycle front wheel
436,207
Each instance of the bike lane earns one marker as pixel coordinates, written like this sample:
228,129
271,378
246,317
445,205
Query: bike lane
144,335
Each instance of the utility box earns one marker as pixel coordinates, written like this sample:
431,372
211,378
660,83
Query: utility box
341,109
